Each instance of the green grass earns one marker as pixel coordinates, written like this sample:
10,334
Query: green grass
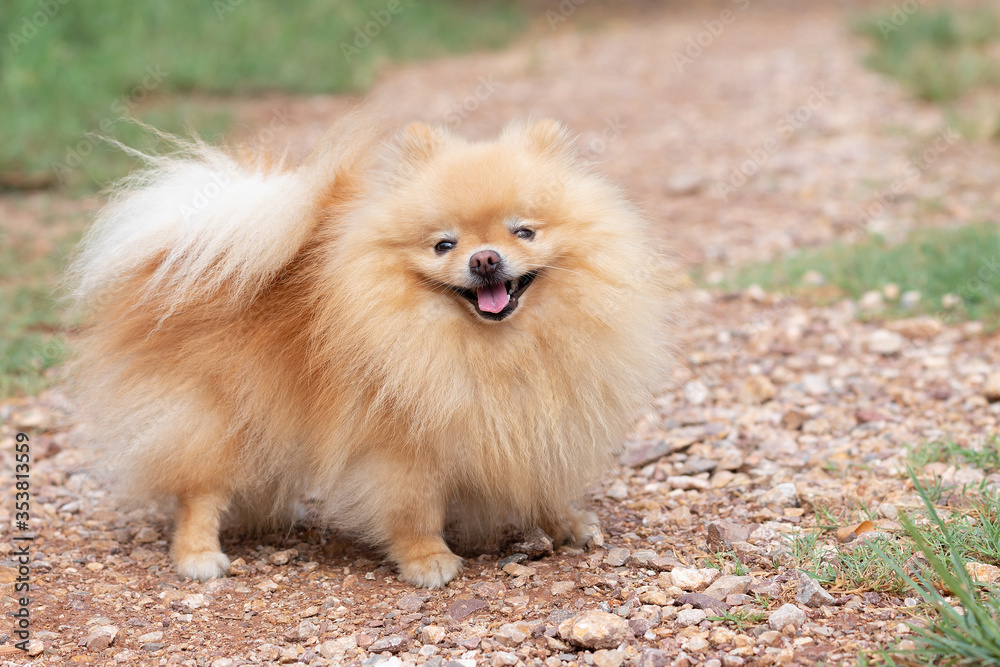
962,625
31,317
869,565
969,532
806,550
979,538
963,261
985,457
741,619
959,620
726,559
938,54
856,567
81,69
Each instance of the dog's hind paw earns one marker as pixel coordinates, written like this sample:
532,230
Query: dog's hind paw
203,566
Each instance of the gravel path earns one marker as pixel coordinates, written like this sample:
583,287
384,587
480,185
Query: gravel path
778,410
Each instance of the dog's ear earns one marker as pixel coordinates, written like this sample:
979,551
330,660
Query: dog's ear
545,135
548,135
419,141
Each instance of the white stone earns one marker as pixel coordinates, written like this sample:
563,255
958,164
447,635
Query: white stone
885,342
872,301
595,630
786,614
432,634
910,299
688,617
688,578
782,495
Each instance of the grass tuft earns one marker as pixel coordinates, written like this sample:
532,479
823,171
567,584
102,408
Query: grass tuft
962,262
741,619
938,54
727,562
962,634
985,456
852,567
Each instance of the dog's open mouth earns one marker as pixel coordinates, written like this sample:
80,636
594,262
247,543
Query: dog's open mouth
497,301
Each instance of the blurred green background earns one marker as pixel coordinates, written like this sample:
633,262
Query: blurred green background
70,68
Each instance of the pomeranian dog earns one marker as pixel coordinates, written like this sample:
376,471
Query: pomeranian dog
417,332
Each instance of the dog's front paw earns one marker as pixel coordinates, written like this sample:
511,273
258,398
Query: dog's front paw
584,530
203,565
577,529
588,533
431,571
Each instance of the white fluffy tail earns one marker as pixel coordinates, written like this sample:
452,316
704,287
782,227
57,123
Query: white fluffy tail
204,220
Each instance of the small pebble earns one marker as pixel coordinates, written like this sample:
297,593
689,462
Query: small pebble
786,614
617,557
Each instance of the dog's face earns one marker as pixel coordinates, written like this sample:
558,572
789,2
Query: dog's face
483,226
491,265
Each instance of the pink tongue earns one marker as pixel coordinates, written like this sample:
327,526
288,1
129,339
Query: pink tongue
492,298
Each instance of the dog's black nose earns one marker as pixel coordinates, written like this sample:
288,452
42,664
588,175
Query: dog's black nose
484,263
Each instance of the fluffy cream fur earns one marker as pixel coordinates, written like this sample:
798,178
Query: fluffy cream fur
256,332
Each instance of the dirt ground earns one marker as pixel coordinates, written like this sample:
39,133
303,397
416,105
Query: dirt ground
777,409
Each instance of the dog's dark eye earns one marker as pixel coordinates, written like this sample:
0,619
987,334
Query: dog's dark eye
444,246
526,234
